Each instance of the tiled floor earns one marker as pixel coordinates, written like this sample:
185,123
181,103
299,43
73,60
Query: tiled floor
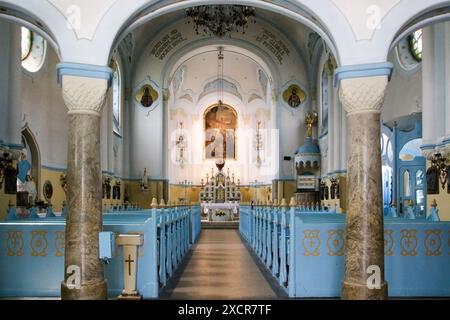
220,267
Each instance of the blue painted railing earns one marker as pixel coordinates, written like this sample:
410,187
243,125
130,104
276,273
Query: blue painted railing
32,251
305,251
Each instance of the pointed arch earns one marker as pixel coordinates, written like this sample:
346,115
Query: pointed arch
29,142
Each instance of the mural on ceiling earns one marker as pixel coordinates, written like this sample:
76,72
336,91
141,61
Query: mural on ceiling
146,96
220,131
294,96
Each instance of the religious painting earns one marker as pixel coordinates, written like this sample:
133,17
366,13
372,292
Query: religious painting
48,190
448,179
433,180
294,96
146,96
220,132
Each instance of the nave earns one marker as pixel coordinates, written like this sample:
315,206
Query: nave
220,266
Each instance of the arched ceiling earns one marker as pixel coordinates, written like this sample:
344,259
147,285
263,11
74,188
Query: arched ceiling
295,32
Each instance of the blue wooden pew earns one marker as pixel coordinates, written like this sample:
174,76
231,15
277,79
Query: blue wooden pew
32,251
306,254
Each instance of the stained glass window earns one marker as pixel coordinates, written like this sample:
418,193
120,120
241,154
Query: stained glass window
27,42
324,103
34,48
415,44
116,99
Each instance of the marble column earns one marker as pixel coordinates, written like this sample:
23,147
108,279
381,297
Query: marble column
83,277
362,99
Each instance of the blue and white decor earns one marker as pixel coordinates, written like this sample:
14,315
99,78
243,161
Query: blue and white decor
32,252
304,251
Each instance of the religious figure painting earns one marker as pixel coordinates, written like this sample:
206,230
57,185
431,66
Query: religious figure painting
294,96
433,180
146,96
220,132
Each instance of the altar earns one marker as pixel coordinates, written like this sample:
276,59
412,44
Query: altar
220,195
228,211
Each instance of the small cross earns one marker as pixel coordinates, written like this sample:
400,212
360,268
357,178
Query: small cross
129,261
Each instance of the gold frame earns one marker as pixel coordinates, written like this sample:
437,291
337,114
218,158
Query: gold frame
235,135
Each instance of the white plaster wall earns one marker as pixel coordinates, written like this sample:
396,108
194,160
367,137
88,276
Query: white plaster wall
404,92
4,77
147,149
45,112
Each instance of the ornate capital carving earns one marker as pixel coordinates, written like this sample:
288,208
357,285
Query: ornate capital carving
330,66
359,95
84,95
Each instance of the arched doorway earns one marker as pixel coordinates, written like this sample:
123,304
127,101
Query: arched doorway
33,157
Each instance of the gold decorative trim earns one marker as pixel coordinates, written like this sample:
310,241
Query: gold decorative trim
408,242
336,243
14,243
59,243
433,243
311,242
38,243
389,242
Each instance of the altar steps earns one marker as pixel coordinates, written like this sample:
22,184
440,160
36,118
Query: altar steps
220,224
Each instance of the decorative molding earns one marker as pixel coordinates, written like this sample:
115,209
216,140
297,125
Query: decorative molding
83,70
311,243
362,95
84,95
363,71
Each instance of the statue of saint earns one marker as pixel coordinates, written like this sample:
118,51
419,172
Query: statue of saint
310,121
432,180
144,180
31,188
23,167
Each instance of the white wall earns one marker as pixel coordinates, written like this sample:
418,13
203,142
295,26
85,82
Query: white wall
4,78
147,138
404,92
45,112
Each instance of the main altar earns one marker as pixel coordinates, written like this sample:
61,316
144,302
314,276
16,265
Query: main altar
220,195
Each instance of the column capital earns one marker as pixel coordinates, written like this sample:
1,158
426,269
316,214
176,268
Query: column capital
330,66
84,86
84,95
362,95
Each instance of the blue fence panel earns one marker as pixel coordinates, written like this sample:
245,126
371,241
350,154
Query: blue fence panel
32,250
306,252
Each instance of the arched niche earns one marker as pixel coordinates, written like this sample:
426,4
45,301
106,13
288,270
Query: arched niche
34,156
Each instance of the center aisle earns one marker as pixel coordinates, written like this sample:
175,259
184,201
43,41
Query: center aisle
220,268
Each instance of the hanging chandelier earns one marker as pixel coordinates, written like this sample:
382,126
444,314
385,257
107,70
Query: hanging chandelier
220,20
220,60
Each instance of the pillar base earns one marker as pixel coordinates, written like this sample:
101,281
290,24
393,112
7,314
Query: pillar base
356,291
95,291
125,296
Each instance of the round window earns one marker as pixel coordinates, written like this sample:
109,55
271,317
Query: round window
33,50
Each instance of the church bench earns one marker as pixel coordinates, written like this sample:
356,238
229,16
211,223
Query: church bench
32,252
417,252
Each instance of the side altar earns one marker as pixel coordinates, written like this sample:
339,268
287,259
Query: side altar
220,195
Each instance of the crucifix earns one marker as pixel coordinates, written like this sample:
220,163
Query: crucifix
130,243
129,261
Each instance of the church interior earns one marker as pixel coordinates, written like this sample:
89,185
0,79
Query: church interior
146,144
